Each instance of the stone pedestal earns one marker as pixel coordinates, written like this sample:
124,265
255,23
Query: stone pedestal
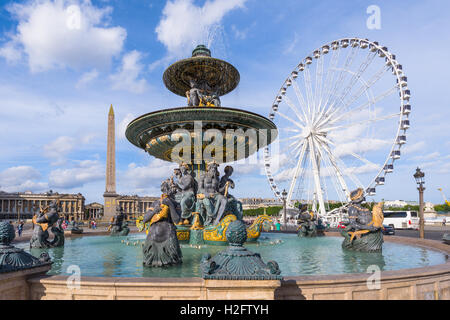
110,206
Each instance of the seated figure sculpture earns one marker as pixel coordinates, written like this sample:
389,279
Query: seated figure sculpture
43,220
210,202
363,232
119,225
161,245
186,184
233,206
201,94
307,220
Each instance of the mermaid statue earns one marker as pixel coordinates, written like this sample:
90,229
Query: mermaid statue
119,225
46,219
307,227
161,247
363,232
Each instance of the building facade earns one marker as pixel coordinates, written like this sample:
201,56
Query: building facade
23,205
134,206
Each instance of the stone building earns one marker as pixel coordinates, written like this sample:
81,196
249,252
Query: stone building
23,205
134,206
254,203
94,211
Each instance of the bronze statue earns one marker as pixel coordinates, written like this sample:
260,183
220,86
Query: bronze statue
186,184
119,225
209,199
161,246
363,232
46,219
233,205
201,94
307,227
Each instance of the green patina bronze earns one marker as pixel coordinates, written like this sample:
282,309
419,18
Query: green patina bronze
14,259
199,138
220,75
236,262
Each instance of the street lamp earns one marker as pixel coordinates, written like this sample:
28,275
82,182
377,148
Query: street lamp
419,176
284,194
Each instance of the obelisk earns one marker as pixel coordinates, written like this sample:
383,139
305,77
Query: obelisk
110,194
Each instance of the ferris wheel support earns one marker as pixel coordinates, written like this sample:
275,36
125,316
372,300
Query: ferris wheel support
296,173
316,174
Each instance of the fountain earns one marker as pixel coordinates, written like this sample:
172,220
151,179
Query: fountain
199,138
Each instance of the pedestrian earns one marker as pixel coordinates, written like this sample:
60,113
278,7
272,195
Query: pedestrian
444,222
19,229
278,225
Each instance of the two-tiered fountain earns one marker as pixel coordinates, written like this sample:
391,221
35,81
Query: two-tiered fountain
200,137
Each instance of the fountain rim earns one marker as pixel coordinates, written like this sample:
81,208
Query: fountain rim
133,137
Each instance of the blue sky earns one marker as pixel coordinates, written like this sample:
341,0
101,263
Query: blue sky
57,81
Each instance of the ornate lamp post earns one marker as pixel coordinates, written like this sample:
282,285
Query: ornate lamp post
284,194
419,176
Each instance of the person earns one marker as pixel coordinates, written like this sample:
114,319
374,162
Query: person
444,221
94,224
20,228
278,225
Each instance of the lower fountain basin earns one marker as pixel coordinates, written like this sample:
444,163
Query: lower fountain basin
105,256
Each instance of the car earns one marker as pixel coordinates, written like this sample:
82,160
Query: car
341,225
388,230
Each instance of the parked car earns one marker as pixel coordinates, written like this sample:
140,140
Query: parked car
388,230
341,225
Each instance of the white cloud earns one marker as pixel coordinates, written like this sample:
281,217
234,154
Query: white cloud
86,171
413,148
20,179
127,77
430,156
10,53
87,78
122,127
64,33
146,177
185,25
59,149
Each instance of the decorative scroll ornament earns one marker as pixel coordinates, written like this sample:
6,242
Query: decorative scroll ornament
236,262
14,259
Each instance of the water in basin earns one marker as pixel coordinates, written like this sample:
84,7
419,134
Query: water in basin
112,257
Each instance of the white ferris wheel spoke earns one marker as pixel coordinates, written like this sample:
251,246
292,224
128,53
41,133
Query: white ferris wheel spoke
350,124
330,77
356,76
309,94
298,124
300,99
296,173
330,120
365,87
342,76
295,109
316,174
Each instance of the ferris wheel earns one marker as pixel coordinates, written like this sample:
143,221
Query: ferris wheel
342,116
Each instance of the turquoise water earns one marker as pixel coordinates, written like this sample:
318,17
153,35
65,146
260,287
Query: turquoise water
112,257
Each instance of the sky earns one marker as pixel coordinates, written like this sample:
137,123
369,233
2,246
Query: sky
64,62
